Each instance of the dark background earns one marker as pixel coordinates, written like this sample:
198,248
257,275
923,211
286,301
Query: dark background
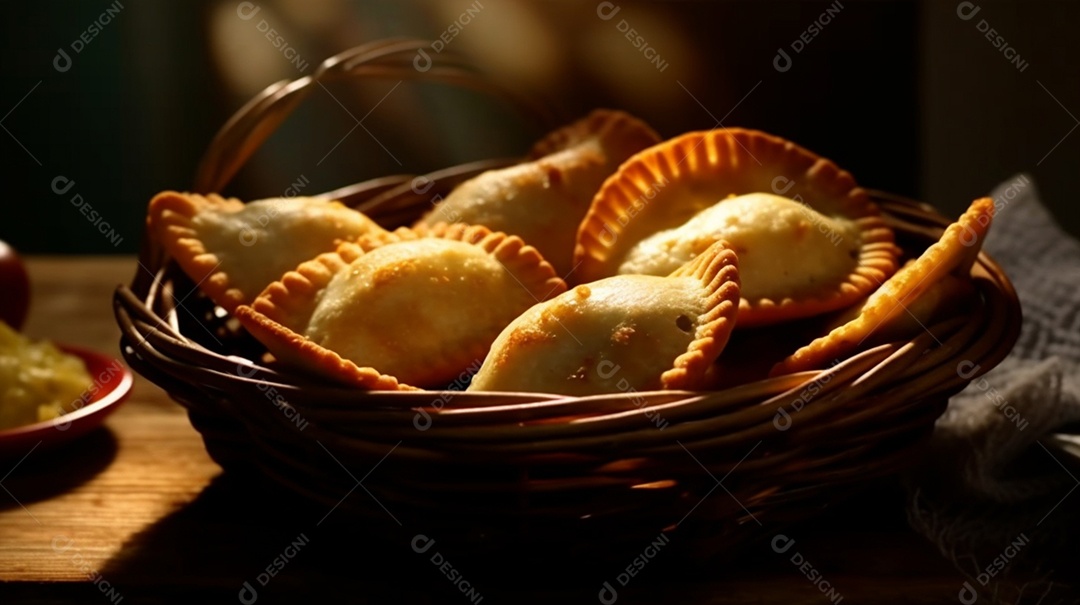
906,95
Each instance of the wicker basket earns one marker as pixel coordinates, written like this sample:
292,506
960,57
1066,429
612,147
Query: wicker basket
491,471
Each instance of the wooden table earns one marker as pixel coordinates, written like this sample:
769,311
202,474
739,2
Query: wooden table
137,511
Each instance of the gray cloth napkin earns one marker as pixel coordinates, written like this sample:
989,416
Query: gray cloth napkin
996,490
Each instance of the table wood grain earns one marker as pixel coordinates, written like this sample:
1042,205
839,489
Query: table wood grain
137,511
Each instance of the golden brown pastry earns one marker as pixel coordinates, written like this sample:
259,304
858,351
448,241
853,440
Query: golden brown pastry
808,238
629,332
544,200
413,311
234,250
955,252
793,260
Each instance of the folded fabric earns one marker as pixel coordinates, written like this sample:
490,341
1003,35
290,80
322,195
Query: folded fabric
995,492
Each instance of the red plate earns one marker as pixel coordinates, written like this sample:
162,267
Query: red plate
112,383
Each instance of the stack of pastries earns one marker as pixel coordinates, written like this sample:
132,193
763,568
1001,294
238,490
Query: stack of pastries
608,260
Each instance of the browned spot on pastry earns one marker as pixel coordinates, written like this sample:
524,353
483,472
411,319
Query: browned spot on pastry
623,334
580,375
683,323
553,175
385,275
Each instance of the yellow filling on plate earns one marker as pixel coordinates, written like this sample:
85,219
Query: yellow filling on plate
38,381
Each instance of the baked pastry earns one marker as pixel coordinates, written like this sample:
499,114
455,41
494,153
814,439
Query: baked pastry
415,311
623,333
954,253
793,260
234,250
944,298
808,238
543,200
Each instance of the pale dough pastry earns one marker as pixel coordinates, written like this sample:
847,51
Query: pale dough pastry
623,333
233,250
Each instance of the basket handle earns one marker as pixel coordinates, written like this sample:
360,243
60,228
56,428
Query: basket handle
401,58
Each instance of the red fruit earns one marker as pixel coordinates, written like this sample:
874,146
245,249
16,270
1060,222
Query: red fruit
14,288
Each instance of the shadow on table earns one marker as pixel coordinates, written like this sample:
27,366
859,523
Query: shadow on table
242,540
45,473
